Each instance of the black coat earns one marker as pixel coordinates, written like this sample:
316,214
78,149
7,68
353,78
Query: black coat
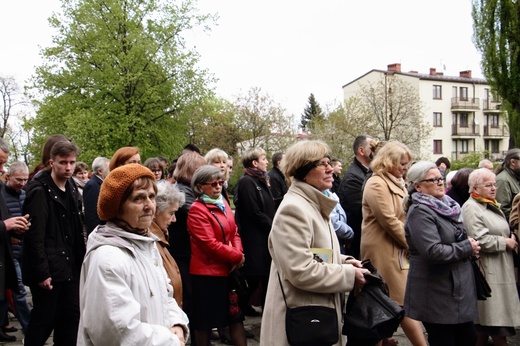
7,272
179,238
350,194
14,201
278,185
254,213
54,245
90,199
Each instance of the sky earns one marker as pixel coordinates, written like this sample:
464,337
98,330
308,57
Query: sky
289,48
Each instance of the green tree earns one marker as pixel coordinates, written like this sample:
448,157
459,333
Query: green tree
119,73
497,37
341,126
312,114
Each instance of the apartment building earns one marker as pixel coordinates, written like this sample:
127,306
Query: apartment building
462,110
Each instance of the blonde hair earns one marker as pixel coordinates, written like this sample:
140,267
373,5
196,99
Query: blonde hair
389,156
302,154
250,155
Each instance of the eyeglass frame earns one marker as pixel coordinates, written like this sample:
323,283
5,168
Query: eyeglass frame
433,180
215,183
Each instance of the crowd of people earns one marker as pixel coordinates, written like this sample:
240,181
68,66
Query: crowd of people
127,253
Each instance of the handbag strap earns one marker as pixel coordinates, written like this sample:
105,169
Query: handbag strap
278,273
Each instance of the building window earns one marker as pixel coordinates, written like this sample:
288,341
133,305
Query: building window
493,120
437,92
463,120
437,146
464,146
454,91
463,93
494,146
437,119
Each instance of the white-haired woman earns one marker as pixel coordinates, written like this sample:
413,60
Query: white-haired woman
440,289
499,314
168,200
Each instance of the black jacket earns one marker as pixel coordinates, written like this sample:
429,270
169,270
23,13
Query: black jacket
350,194
254,213
7,272
278,185
54,245
14,201
90,199
179,238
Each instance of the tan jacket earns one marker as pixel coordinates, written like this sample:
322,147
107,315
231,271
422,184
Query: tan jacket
301,223
382,231
169,263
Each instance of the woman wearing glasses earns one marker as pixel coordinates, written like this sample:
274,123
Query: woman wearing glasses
216,250
499,314
440,290
307,263
382,230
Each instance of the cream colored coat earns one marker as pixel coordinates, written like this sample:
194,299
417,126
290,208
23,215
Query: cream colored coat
382,231
489,226
301,223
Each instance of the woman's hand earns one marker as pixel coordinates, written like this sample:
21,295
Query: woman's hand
475,245
511,243
239,265
179,331
359,280
355,262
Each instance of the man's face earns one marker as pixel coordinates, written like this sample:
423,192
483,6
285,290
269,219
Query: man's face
3,160
515,165
63,166
17,180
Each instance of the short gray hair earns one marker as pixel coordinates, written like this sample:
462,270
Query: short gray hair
203,175
167,195
4,146
419,170
18,166
100,163
478,176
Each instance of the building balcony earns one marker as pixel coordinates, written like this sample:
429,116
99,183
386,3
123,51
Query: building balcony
490,106
497,131
462,103
465,131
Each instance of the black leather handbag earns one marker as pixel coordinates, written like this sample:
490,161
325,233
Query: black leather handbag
371,315
310,325
483,289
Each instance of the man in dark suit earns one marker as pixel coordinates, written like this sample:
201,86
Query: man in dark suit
350,191
91,192
277,179
18,224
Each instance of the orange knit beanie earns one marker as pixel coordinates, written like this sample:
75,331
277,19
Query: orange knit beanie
115,185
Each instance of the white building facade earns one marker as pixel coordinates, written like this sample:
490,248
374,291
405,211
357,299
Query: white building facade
462,111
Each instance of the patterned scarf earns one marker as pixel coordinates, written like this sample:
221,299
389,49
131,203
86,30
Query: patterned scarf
444,206
484,200
219,201
256,173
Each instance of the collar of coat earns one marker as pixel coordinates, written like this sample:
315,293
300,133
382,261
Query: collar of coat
315,197
392,186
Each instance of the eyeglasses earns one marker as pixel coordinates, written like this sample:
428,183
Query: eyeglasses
489,186
433,180
323,164
216,183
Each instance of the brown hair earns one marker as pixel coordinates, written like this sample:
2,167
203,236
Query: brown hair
186,166
47,147
121,155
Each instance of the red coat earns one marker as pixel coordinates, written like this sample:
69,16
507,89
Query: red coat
209,255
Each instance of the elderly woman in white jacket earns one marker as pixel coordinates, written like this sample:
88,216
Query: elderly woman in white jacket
125,295
302,229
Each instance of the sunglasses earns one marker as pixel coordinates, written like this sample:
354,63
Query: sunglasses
216,183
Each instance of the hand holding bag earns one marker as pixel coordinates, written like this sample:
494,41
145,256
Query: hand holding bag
371,315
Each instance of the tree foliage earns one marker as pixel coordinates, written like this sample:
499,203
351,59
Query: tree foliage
262,122
119,73
312,114
497,37
394,107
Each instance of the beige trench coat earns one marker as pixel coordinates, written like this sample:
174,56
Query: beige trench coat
301,223
382,231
